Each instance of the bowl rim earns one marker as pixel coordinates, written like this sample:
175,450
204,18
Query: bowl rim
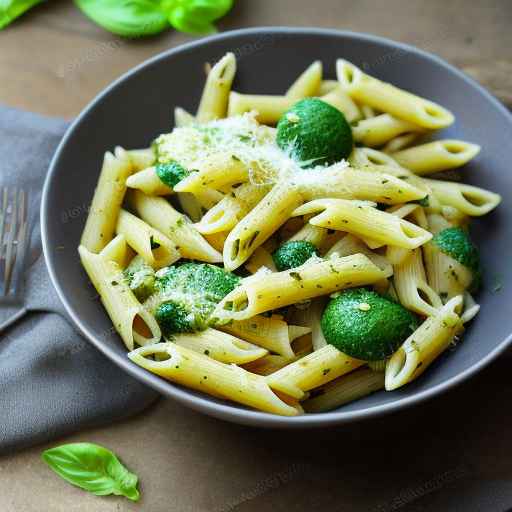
204,404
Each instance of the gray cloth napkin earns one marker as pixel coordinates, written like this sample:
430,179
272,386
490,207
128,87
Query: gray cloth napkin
52,381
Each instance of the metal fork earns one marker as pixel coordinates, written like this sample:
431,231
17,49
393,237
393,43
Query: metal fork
13,249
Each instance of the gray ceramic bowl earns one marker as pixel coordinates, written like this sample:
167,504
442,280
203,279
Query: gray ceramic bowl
138,106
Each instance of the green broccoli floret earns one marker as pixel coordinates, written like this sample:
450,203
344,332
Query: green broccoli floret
174,318
456,243
366,325
190,292
293,254
171,174
141,278
315,133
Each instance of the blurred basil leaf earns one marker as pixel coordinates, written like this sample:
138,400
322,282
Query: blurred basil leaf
128,18
196,16
92,468
11,9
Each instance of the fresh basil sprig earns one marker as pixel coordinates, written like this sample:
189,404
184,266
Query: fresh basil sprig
92,468
137,18
127,18
196,16
11,9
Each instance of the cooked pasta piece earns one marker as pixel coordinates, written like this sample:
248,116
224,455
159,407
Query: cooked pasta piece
270,332
106,203
133,323
358,184
327,86
363,220
214,100
148,182
424,345
400,142
339,99
388,98
268,108
157,212
311,371
117,250
217,172
260,258
412,288
446,276
471,308
310,233
378,130
267,364
203,373
183,118
367,111
220,346
264,220
279,289
217,240
357,384
474,201
233,207
142,158
350,244
400,211
308,82
154,247
436,156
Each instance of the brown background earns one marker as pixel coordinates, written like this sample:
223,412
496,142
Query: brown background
453,453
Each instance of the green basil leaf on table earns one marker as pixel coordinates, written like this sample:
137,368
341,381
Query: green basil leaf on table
11,9
92,468
127,18
196,16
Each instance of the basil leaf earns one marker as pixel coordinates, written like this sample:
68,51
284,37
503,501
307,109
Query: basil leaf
92,468
11,9
127,18
196,16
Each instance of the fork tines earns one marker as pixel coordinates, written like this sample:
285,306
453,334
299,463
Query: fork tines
13,240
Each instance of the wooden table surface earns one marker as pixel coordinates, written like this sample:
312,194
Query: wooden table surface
54,61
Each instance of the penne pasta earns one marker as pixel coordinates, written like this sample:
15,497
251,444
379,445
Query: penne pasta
264,220
308,83
183,118
184,240
269,332
268,108
279,289
133,323
159,214
339,99
316,369
412,288
436,156
232,208
363,220
197,371
106,203
388,98
154,247
424,345
141,158
470,200
214,100
220,346
376,131
347,388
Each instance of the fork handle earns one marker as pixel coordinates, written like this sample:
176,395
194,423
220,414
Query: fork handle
14,318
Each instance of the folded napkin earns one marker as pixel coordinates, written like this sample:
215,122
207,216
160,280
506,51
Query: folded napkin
52,381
